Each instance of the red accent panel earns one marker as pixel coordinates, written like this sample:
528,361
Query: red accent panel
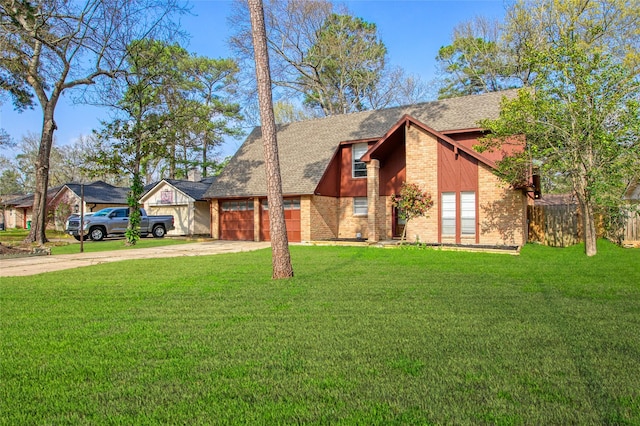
393,166
456,172
350,186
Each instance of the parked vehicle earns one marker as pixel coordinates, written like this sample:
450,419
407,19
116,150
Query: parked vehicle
113,222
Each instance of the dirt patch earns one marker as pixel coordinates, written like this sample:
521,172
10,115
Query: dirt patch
13,251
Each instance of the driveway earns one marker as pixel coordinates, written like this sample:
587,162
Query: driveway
38,264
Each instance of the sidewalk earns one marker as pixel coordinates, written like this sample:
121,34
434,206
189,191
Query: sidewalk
22,266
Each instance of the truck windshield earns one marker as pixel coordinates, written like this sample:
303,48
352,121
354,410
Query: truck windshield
103,212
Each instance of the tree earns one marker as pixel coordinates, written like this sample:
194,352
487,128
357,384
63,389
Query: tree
48,48
281,258
476,61
582,121
334,61
344,65
134,139
411,203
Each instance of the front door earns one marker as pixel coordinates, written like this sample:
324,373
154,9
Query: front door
398,224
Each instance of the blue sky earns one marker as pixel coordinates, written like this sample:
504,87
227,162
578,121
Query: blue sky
412,30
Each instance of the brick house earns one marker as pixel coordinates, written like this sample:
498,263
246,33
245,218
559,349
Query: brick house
338,174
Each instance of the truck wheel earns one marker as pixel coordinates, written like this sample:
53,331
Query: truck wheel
158,231
97,234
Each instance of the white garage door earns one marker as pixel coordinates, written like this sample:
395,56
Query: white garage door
180,217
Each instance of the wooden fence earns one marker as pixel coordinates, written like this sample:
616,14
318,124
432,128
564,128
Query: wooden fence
561,225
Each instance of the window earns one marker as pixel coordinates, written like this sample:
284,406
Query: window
287,203
240,205
468,213
360,206
359,167
448,213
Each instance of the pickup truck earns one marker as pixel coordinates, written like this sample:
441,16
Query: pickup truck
113,221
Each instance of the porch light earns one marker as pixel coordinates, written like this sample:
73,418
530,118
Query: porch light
76,208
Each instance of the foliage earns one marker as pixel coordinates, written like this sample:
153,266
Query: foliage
49,48
133,228
307,41
347,58
411,203
476,61
547,337
581,121
487,56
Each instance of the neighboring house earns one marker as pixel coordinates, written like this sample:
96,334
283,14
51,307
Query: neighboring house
11,218
184,200
62,201
338,174
19,210
97,195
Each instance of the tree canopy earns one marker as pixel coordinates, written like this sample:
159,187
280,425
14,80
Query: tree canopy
580,118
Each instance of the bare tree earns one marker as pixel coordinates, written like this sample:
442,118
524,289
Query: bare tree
281,258
50,47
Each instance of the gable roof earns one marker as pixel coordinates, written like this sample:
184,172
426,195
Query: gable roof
100,192
306,147
195,190
407,119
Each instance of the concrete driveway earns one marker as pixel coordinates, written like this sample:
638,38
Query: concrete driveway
38,264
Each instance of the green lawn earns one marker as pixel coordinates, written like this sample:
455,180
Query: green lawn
62,243
359,336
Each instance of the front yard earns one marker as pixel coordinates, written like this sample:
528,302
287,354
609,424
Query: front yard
359,336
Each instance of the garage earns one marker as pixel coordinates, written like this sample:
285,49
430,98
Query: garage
180,215
291,218
236,220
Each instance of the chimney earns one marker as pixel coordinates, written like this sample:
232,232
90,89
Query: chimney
194,175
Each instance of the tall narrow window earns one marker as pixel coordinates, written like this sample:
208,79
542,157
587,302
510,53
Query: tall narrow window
359,167
468,213
448,213
360,206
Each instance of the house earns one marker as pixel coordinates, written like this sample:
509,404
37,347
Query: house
18,211
184,199
338,174
97,195
63,200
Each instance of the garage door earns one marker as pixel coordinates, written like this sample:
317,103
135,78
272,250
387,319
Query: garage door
291,218
236,220
180,217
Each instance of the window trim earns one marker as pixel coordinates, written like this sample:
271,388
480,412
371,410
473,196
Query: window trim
357,148
448,214
356,206
469,214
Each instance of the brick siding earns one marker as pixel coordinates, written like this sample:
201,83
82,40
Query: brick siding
502,210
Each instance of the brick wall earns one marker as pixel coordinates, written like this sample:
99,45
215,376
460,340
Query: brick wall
502,210
215,219
350,225
422,169
319,221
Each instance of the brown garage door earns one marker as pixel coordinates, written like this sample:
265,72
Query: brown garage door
236,220
291,218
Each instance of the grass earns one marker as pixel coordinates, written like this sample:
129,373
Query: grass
65,244
359,336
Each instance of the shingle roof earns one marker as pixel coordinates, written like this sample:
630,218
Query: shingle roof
101,192
195,190
306,147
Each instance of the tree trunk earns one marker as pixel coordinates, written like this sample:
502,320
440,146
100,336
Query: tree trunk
39,210
281,259
589,228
